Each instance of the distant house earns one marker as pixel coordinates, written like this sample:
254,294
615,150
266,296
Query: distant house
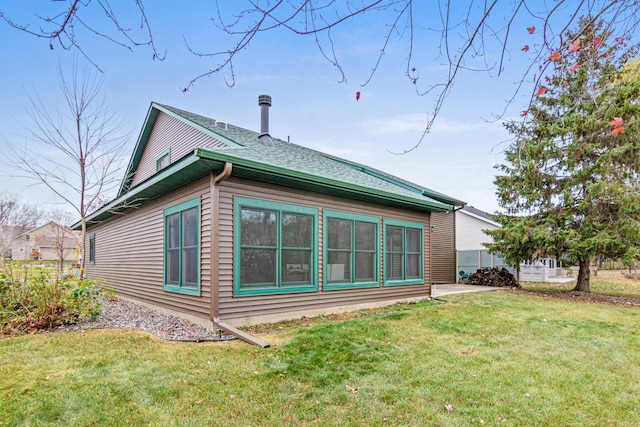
48,242
8,233
228,226
470,240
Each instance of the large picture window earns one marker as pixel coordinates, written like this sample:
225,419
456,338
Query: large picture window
404,253
275,247
351,250
182,247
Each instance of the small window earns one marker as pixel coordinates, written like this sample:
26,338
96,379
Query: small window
27,237
92,249
182,248
163,160
404,253
351,250
275,247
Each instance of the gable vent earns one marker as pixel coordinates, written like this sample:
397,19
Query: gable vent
221,124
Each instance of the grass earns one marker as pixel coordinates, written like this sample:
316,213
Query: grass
498,358
608,282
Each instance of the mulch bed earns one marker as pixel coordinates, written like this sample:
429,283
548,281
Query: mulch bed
585,297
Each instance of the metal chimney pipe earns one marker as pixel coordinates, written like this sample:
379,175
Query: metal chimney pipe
264,101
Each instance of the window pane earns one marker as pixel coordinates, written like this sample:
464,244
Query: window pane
338,266
162,162
258,266
413,240
173,231
92,249
365,236
395,239
295,266
394,268
413,267
296,231
258,228
365,265
173,266
190,267
339,234
190,228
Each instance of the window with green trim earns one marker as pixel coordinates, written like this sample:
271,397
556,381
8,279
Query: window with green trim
275,247
404,253
92,249
351,250
182,247
163,160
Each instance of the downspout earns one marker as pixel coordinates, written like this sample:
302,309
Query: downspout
215,260
455,243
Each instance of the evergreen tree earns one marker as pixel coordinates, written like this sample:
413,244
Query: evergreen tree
570,184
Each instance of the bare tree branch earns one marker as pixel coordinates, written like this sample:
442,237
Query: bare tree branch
474,36
60,29
77,154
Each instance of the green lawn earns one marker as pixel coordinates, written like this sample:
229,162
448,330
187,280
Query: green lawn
604,283
498,358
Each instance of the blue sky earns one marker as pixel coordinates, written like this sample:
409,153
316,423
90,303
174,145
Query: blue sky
309,107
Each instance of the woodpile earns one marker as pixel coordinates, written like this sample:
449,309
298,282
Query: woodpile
493,276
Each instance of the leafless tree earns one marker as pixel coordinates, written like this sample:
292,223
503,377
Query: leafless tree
473,36
64,239
76,152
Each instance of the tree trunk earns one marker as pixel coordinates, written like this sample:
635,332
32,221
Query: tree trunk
582,285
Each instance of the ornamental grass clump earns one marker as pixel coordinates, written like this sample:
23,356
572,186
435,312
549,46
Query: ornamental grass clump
33,300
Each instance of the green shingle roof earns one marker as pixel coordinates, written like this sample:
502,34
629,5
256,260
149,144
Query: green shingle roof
283,163
296,158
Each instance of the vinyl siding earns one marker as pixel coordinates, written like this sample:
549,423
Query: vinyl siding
469,234
130,253
443,247
171,134
242,309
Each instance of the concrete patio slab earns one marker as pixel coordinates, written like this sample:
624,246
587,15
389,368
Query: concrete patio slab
440,290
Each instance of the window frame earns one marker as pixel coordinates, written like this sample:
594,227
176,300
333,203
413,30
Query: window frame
166,153
182,287
331,214
92,249
245,202
404,225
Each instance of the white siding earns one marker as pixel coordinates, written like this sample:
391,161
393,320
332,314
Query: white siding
469,235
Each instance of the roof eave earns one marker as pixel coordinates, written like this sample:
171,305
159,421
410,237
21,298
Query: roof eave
310,181
177,174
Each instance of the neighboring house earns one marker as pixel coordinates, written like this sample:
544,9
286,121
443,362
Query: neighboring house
472,254
470,224
221,224
8,233
47,243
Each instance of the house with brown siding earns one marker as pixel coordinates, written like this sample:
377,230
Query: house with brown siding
228,227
